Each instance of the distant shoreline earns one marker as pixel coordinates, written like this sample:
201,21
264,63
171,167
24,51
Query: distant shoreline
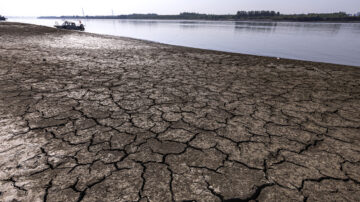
242,20
239,16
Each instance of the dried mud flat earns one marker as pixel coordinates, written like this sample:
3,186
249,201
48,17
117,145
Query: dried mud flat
85,117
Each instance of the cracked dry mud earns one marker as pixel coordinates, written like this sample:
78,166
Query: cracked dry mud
85,117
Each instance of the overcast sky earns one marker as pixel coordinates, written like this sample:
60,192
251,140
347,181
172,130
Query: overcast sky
105,7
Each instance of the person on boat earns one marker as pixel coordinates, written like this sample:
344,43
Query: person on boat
81,25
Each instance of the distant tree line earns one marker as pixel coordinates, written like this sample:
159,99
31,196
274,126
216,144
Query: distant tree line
240,15
340,16
181,16
255,14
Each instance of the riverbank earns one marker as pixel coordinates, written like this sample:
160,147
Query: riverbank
210,20
240,15
92,117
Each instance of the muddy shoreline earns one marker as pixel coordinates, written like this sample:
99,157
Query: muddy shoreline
88,117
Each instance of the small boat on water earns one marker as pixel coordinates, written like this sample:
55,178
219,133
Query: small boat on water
2,18
71,26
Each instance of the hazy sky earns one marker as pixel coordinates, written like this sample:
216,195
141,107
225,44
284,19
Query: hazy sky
105,7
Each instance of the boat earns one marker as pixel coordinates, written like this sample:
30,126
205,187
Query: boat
71,26
2,18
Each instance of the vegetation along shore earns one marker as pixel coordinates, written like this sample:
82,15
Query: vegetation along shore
241,15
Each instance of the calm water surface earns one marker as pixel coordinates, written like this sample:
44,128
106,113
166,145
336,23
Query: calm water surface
323,42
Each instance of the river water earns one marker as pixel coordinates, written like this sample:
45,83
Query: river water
337,43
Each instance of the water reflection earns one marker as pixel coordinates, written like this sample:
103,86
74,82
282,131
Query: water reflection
324,28
136,22
261,27
323,42
263,24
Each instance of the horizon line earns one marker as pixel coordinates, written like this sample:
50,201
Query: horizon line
28,16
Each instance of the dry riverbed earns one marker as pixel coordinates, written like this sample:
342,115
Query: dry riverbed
85,117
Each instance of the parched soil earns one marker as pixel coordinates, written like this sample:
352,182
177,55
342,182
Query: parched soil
86,117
